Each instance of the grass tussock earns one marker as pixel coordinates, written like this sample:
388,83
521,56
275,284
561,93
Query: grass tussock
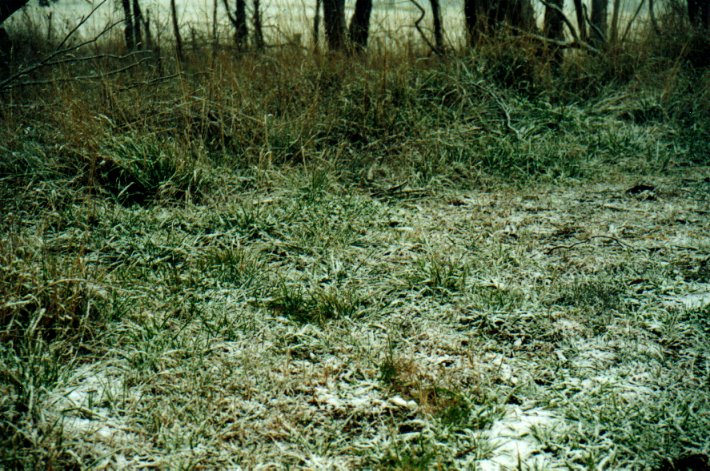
384,261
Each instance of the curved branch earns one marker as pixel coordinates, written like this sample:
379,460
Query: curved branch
419,28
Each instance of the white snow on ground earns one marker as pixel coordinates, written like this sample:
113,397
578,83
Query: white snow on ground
79,405
515,447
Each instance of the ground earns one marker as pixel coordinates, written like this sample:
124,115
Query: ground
295,321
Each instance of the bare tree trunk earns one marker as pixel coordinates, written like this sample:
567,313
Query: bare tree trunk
481,16
176,32
614,31
520,14
215,5
438,28
334,19
258,29
241,30
471,16
8,7
360,24
581,23
599,14
128,30
316,26
652,15
553,26
137,21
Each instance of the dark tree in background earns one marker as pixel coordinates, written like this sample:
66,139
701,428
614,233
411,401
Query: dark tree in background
239,22
553,25
598,22
485,17
176,32
438,27
128,28
133,19
360,24
581,21
334,20
258,28
137,22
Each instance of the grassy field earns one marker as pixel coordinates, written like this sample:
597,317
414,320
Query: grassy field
292,260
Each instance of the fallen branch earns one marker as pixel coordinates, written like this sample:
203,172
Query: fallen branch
501,105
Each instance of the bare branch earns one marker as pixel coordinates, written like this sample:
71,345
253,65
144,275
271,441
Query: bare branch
231,17
78,78
419,29
581,44
83,20
6,84
631,21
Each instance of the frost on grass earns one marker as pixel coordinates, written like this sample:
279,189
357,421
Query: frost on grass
539,328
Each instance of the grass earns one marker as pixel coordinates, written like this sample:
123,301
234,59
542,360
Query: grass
377,262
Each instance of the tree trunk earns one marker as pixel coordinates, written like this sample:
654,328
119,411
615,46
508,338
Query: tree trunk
581,23
599,14
481,17
176,32
316,25
699,13
241,30
137,21
360,24
470,14
258,30
128,31
553,26
438,28
8,7
334,19
614,32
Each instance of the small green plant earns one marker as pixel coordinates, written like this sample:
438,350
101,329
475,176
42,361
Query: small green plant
233,265
439,275
598,294
316,305
141,170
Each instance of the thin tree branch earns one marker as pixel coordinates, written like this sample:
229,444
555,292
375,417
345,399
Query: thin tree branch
592,25
58,52
83,20
631,21
231,17
78,77
419,29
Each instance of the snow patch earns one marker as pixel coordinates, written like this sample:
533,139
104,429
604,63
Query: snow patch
514,442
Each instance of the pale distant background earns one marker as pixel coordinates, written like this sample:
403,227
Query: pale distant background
285,21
